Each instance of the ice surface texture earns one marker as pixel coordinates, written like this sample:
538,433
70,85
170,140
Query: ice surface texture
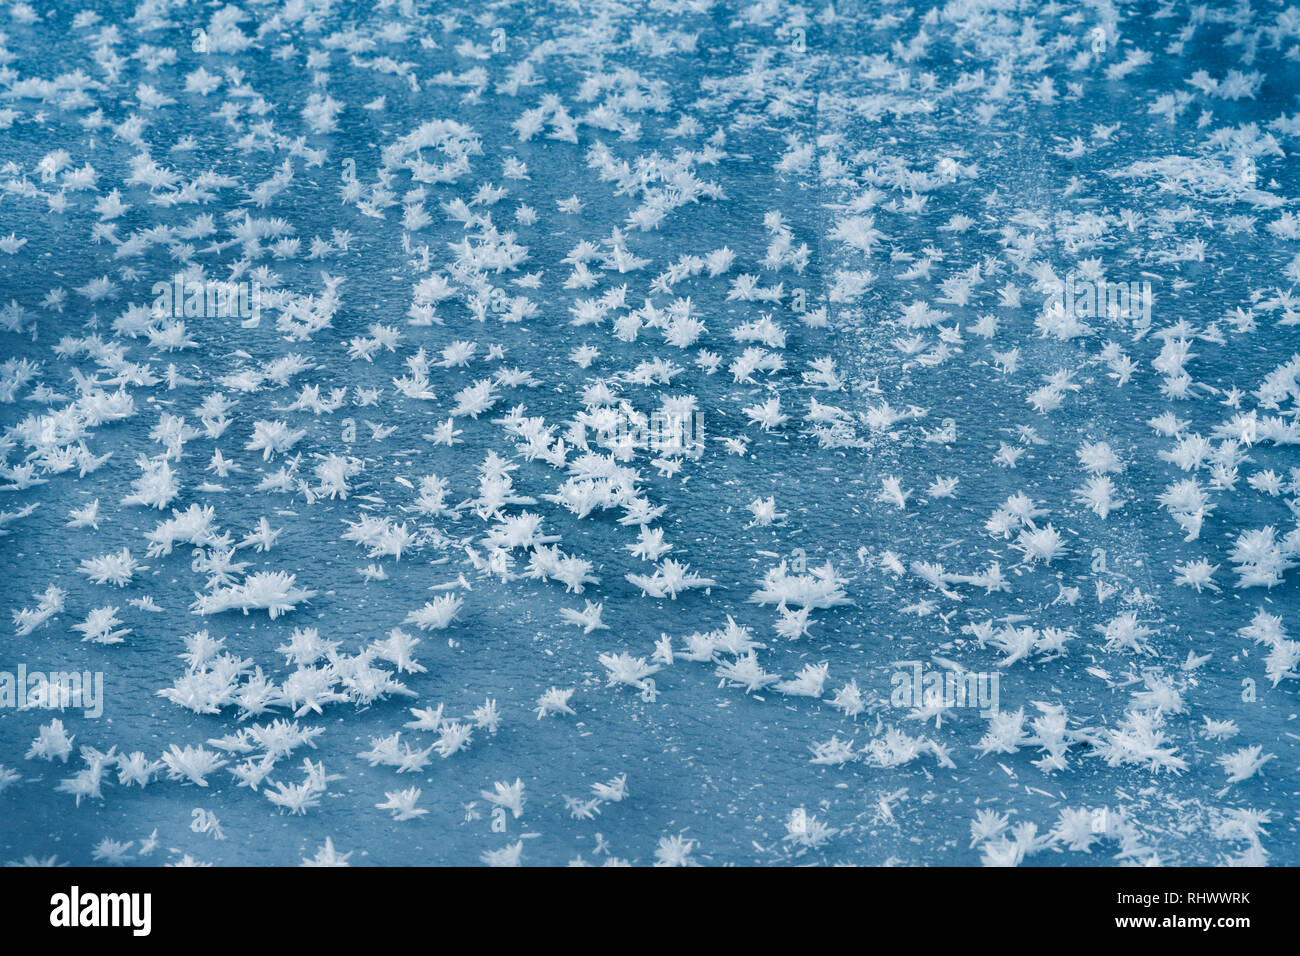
550,433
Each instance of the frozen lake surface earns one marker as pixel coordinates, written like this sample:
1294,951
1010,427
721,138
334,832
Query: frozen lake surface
979,327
